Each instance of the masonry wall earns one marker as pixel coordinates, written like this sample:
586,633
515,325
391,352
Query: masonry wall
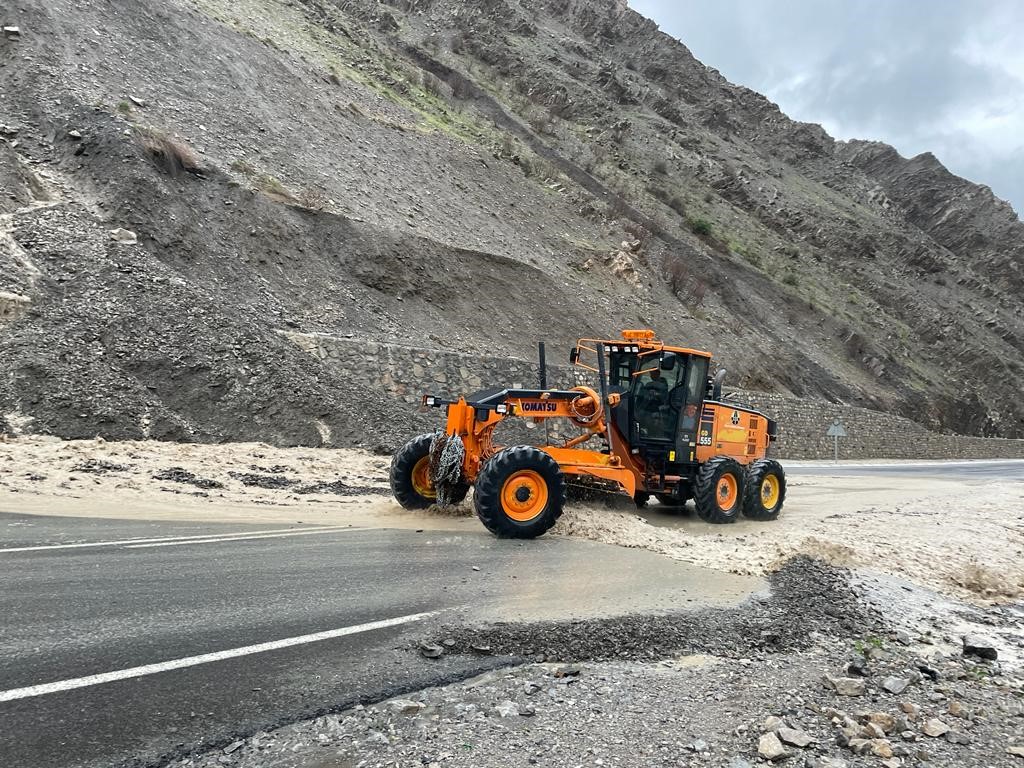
409,372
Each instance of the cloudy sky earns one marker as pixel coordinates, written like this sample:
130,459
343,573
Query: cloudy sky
945,76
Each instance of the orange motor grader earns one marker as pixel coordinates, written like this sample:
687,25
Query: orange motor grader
655,424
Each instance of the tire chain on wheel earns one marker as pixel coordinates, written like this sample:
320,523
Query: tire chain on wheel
447,453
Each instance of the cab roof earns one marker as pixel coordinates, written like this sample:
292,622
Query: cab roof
644,340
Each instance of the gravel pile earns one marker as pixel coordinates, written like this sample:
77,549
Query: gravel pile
341,488
807,599
179,475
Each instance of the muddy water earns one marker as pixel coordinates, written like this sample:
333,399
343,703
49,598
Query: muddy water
937,624
561,579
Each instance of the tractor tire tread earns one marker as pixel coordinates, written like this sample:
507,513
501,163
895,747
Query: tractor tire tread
706,487
753,508
491,479
400,475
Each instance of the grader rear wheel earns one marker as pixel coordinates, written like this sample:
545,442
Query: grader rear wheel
519,493
766,490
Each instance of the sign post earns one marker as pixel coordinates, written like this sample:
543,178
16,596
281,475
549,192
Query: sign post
836,431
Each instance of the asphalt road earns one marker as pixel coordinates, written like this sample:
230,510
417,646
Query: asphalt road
123,644
953,470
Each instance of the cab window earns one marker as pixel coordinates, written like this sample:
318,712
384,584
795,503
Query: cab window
651,394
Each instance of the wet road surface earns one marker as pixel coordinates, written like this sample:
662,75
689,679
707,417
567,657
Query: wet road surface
122,643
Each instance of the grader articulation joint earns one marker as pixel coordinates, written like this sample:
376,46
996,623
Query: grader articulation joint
657,423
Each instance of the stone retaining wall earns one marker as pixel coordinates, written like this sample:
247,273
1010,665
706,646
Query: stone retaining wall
870,434
409,372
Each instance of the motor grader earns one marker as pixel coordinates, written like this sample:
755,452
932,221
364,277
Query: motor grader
653,424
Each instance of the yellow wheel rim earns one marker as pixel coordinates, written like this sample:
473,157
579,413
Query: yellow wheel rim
770,491
421,481
524,495
727,491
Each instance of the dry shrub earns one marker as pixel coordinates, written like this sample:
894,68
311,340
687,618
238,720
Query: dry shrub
432,84
244,167
313,199
986,581
273,187
637,231
171,155
688,286
617,209
462,89
540,121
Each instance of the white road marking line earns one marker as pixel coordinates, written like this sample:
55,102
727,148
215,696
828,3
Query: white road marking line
119,542
252,537
206,658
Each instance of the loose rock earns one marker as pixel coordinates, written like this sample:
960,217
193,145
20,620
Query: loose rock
895,685
934,728
506,708
982,647
794,737
883,720
770,747
405,706
881,748
910,709
125,236
848,686
828,762
431,651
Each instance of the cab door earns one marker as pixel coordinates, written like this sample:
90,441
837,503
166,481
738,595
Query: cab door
687,401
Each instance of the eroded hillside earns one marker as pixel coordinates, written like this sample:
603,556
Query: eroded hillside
465,176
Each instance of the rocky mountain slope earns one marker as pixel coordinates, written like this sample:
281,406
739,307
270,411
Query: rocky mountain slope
461,175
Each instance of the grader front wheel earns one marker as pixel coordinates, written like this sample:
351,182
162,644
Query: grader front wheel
519,493
410,474
412,481
718,494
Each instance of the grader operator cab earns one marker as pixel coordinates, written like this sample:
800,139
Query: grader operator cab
656,425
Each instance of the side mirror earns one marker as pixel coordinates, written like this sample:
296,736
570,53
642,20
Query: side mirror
574,355
668,361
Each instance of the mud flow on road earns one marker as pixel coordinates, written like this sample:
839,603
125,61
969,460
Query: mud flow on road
355,621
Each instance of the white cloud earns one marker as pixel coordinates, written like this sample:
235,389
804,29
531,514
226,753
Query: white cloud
945,76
